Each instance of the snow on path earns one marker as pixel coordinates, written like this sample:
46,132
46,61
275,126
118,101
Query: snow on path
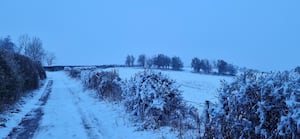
72,113
61,118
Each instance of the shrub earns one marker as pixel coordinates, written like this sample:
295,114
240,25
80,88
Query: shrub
155,101
7,80
263,105
28,73
73,72
18,75
41,71
106,83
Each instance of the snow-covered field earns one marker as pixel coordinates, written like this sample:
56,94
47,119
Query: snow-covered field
72,112
196,88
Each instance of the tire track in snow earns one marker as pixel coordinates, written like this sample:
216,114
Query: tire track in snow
29,124
89,121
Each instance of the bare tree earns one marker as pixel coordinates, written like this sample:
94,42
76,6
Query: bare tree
50,58
24,41
129,61
176,63
35,51
132,60
142,60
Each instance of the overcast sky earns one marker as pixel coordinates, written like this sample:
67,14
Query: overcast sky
261,34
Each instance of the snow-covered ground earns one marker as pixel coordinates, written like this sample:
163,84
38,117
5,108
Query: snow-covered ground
196,88
72,112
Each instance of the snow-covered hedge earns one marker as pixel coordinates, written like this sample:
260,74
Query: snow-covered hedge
18,75
155,101
261,105
73,72
106,83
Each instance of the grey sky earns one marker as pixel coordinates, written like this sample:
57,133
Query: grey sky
262,34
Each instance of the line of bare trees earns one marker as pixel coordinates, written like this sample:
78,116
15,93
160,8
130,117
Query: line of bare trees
159,61
31,47
208,67
162,61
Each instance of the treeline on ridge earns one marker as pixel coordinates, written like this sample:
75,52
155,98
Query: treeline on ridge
162,61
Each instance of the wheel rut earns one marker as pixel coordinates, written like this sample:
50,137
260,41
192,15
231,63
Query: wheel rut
89,121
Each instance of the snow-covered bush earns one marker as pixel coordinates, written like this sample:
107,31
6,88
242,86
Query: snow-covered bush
67,69
263,105
106,83
76,72
73,72
155,101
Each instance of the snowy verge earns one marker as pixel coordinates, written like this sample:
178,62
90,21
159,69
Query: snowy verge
12,117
